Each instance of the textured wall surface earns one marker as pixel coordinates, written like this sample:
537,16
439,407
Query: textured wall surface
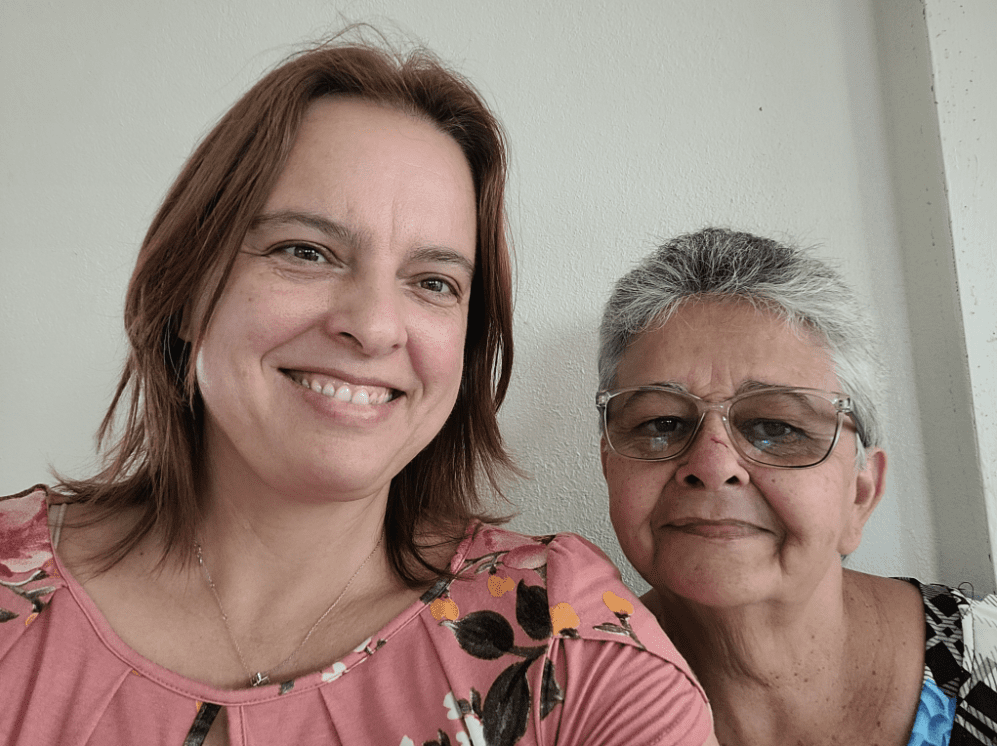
962,38
628,123
927,222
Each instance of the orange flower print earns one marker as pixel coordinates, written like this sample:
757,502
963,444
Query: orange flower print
444,608
563,617
50,568
622,609
498,585
618,605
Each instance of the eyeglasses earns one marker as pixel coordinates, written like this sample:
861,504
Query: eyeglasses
789,428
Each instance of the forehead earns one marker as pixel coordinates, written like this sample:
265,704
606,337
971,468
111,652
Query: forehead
715,347
343,137
376,175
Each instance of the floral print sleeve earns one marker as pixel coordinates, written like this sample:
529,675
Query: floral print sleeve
567,641
26,562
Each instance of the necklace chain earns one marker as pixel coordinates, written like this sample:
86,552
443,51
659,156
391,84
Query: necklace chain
263,677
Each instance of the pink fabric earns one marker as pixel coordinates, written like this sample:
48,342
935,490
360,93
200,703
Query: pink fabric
537,642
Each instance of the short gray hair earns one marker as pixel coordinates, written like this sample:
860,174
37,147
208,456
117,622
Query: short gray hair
783,279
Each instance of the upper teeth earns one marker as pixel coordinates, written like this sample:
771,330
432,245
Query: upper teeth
346,392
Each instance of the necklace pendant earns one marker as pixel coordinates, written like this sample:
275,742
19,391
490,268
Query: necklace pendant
259,679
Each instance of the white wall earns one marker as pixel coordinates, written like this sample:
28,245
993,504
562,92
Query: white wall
923,78
962,39
628,122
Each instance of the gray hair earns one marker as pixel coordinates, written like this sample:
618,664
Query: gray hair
786,280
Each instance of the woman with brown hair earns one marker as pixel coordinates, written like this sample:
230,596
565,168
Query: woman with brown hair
319,325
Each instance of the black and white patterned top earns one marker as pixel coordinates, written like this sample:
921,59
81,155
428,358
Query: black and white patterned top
958,702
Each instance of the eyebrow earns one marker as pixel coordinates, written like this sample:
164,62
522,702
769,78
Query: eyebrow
671,385
753,385
322,224
338,232
744,387
442,255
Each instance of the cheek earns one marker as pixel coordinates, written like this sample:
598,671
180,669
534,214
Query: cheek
275,314
261,319
633,497
809,510
221,373
436,350
241,333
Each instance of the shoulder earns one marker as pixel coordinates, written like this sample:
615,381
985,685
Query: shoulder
27,564
563,551
548,620
569,569
895,601
24,533
563,583
951,611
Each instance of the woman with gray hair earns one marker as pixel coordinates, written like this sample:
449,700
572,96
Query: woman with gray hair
741,446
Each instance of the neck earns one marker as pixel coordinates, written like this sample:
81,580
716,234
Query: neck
789,668
276,525
305,571
254,546
255,536
763,643
246,518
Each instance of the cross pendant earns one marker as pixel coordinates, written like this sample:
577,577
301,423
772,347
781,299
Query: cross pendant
259,679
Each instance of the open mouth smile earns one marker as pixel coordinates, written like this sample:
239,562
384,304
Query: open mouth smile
341,390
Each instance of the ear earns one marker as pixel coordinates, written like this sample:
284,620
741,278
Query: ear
871,482
604,452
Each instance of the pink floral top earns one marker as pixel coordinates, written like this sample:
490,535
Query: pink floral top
537,642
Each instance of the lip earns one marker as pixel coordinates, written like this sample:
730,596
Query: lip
716,529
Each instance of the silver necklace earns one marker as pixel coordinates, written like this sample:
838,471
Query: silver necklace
263,677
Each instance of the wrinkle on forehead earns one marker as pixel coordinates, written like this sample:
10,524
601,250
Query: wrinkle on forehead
722,346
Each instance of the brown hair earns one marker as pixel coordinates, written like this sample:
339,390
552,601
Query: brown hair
189,251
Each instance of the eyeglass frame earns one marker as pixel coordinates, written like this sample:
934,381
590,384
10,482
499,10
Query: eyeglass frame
841,402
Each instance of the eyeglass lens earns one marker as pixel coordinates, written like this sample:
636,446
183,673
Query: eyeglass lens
779,428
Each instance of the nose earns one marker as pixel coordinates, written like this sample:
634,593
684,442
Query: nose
368,314
711,460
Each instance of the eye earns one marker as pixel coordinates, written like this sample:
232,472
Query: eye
664,427
652,438
304,253
437,285
438,290
662,433
770,435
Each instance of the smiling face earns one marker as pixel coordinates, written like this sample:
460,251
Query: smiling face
335,352
710,526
